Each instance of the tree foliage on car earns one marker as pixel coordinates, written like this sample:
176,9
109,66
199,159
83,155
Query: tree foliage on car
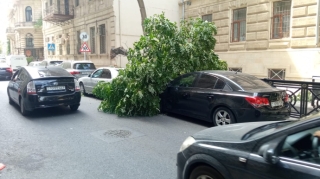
162,54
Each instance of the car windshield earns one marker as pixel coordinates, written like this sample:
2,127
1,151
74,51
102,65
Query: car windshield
274,127
248,82
84,66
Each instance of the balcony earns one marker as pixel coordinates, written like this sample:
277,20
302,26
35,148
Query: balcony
24,24
10,30
58,13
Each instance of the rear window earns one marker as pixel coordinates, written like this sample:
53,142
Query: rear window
248,82
55,62
49,72
84,66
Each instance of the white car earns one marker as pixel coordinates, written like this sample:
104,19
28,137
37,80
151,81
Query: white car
105,74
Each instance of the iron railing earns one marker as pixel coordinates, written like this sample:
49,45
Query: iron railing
304,96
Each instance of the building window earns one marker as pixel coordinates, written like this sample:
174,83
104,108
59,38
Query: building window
93,39
281,19
68,48
29,40
207,17
239,25
236,69
277,74
79,42
77,3
50,2
102,31
28,14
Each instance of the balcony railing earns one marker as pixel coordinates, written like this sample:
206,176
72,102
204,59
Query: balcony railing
24,24
58,13
10,30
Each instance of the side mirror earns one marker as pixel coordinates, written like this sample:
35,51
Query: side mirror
270,157
89,75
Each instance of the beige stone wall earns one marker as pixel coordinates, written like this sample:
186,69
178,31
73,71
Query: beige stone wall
259,52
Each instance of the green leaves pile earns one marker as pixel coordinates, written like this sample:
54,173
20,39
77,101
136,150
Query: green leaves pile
164,53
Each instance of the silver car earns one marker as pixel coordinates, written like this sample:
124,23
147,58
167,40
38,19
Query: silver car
78,68
105,74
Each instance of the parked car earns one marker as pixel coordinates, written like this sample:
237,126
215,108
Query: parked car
50,62
278,149
16,61
105,74
43,87
35,63
78,68
5,71
224,97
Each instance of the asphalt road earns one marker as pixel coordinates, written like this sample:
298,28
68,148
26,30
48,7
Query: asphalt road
88,144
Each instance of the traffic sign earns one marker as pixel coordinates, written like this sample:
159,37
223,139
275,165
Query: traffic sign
84,36
51,47
85,47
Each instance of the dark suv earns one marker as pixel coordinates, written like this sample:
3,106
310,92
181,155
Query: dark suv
274,150
78,68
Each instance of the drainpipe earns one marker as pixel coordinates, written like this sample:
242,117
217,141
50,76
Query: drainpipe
182,1
317,24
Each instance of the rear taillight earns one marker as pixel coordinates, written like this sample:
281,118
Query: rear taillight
74,72
258,101
76,85
31,88
9,70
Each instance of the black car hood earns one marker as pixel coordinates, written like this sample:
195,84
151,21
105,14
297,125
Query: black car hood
233,132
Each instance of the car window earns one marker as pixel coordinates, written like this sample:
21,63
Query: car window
54,63
185,80
206,81
15,75
301,146
23,75
97,74
106,74
248,82
84,66
219,84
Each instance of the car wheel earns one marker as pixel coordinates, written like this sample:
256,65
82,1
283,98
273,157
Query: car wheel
205,172
223,116
83,91
23,110
74,107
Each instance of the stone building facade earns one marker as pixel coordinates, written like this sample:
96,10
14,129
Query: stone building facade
109,24
24,31
267,38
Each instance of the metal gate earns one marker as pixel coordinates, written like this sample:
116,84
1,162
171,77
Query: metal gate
304,96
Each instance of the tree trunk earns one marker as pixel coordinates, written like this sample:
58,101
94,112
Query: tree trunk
142,12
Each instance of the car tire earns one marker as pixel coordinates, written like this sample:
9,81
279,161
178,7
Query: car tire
223,116
74,107
205,172
83,90
23,110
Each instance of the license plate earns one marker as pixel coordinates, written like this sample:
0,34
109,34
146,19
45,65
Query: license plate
276,103
86,73
55,88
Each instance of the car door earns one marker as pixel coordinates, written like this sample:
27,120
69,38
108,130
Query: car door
177,93
295,158
12,86
94,79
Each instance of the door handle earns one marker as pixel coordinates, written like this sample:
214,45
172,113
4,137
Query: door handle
210,96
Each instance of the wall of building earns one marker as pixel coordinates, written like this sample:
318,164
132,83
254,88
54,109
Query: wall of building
122,20
298,54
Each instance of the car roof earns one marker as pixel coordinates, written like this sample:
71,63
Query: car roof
225,73
78,61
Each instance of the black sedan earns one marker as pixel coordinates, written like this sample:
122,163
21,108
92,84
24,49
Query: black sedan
43,87
225,97
5,71
256,150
